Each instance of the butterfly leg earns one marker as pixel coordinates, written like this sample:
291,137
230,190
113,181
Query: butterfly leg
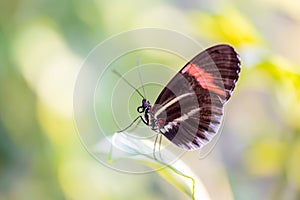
159,145
154,147
158,139
138,117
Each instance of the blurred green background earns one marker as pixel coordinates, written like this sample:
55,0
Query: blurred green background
42,45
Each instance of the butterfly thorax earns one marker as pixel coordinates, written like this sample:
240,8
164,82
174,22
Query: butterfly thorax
149,117
145,108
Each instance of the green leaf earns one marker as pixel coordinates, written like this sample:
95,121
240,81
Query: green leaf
121,146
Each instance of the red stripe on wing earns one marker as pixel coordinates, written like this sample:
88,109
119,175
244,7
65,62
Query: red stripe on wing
205,79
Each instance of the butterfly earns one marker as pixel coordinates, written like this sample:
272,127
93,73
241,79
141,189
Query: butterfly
189,109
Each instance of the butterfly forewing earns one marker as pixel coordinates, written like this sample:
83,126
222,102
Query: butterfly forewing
190,108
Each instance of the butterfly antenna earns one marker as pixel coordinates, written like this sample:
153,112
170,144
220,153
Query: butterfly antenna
140,75
128,83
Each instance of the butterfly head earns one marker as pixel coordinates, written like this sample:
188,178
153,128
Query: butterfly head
145,105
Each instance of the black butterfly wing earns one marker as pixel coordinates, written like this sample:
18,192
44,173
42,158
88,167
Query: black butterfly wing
189,110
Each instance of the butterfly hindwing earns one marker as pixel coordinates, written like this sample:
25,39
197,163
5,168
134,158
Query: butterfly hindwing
190,107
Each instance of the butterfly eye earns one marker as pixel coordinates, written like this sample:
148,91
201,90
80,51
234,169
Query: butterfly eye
140,109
